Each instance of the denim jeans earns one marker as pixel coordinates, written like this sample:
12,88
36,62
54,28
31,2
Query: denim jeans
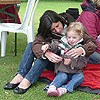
74,80
26,69
94,58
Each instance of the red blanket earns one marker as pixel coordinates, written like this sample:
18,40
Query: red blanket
91,73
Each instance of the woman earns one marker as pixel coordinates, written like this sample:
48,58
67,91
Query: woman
51,26
90,17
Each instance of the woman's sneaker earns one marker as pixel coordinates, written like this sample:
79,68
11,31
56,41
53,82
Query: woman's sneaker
61,91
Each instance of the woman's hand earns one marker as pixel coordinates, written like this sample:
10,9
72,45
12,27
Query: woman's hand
75,52
53,57
67,61
45,47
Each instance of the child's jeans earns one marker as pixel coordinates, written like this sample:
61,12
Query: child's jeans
74,80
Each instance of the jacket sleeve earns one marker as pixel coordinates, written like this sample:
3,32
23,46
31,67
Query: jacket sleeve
79,63
90,45
37,44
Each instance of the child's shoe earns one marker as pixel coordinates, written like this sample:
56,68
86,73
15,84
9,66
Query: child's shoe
61,91
52,91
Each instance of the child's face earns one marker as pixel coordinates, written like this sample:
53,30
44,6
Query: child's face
73,37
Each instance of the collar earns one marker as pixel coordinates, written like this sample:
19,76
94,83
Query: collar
65,42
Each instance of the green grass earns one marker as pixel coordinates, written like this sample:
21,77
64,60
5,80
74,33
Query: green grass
9,63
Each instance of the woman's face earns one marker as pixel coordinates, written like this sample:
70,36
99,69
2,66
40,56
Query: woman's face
57,27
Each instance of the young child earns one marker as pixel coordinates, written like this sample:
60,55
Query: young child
69,71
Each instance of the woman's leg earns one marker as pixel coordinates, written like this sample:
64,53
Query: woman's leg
34,73
36,70
27,60
32,76
24,67
94,58
75,80
25,64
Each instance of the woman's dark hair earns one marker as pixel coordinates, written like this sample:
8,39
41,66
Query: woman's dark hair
46,21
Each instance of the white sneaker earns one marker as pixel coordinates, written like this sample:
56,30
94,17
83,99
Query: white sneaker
61,91
52,91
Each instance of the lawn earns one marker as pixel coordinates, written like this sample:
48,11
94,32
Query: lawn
9,63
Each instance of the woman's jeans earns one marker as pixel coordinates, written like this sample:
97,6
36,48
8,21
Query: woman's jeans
26,69
74,80
94,58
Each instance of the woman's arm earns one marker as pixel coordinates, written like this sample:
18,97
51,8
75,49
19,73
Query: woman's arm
37,45
52,51
53,57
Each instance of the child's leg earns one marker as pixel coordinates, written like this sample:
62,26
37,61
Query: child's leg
75,80
60,79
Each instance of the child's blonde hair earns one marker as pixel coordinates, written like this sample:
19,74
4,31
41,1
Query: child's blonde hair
76,27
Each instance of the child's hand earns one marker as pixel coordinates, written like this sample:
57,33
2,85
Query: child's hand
65,50
45,47
67,61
